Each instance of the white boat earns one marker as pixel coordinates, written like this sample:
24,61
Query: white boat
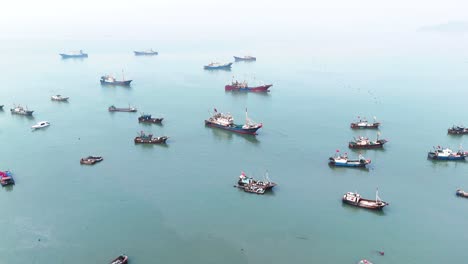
364,261
58,97
41,124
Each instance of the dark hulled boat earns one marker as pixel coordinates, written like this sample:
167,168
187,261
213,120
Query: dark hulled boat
112,108
110,80
143,138
122,259
244,87
363,123
19,110
461,193
6,178
226,122
90,160
245,58
79,54
148,119
1,107
365,143
150,52
356,200
457,130
251,185
344,161
440,153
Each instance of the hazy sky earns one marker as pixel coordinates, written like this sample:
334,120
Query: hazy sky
180,19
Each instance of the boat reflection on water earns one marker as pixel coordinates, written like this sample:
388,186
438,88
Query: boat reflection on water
227,135
245,94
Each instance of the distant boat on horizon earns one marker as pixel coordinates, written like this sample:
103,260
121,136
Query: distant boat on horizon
218,66
111,80
79,54
245,58
149,52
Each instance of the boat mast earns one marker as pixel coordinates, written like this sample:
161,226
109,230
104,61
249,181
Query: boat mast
246,117
123,76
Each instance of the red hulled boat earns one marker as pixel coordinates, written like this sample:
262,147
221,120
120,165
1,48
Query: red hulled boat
244,87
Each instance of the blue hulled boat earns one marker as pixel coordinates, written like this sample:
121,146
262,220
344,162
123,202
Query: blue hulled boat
440,153
218,66
226,122
6,178
79,54
344,161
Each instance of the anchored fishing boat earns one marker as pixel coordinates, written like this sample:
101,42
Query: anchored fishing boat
343,161
111,80
90,160
364,261
244,87
462,193
41,124
19,110
458,130
440,153
363,123
356,200
245,58
59,98
226,121
79,54
143,138
6,178
365,143
148,119
112,108
218,66
149,52
1,107
122,259
244,181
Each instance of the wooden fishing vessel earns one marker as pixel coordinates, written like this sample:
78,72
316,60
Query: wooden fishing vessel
251,185
122,259
363,123
90,160
148,119
19,110
343,161
457,130
365,143
356,200
143,138
226,121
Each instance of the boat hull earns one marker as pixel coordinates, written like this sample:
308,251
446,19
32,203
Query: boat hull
143,53
431,155
26,113
366,204
117,83
70,56
461,193
151,121
160,140
219,67
457,132
369,126
262,88
235,128
353,145
244,59
348,164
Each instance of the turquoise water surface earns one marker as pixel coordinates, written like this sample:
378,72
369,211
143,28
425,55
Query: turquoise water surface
176,203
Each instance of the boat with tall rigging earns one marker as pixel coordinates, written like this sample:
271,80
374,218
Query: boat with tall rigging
440,153
245,58
342,160
149,52
218,66
244,87
78,54
111,80
226,122
355,199
19,110
363,123
113,108
365,143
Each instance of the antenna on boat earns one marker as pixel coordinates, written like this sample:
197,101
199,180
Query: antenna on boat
123,76
378,135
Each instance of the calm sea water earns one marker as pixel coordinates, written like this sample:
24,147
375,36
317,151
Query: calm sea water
177,204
